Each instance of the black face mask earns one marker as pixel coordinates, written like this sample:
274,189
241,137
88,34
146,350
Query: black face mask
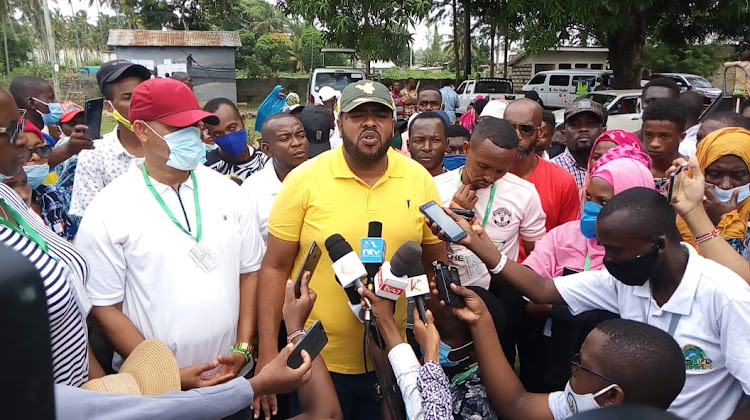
635,271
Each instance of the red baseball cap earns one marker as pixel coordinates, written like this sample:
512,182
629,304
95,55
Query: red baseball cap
69,110
168,101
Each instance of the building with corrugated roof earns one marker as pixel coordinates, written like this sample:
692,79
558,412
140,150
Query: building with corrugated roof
208,57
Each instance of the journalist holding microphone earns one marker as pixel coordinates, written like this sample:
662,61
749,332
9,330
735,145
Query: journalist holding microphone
340,192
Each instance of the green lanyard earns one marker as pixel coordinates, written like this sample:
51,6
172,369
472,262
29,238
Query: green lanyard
163,205
489,203
23,227
461,377
587,264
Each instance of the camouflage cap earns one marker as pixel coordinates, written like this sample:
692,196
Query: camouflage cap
364,91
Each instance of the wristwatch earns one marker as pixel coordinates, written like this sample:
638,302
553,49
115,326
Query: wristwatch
246,349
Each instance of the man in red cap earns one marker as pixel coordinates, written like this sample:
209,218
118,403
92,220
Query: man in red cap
173,248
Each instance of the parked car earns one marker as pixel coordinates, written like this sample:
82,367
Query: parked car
623,106
558,88
693,82
335,77
487,88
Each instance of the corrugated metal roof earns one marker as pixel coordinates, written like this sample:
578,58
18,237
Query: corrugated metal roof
141,38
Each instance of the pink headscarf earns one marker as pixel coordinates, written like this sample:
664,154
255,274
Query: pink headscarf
624,173
620,138
624,151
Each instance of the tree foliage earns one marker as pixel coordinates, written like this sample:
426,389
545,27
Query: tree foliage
372,27
702,60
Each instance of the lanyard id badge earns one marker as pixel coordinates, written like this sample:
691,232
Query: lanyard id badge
202,255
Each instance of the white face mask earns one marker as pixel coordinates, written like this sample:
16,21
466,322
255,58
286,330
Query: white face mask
583,402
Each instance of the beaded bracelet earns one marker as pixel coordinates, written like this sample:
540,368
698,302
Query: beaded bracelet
707,237
299,333
248,356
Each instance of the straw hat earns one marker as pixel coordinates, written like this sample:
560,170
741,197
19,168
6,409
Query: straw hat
151,369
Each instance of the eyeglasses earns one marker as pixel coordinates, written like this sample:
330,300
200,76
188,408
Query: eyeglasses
41,151
14,129
525,129
576,362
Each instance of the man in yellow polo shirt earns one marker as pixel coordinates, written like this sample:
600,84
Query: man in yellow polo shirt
341,191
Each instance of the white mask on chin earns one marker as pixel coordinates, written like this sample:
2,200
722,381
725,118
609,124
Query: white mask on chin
583,402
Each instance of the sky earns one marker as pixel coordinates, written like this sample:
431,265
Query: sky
419,33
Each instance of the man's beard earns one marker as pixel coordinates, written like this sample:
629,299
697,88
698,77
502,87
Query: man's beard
351,147
523,154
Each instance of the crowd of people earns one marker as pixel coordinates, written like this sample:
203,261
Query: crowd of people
599,268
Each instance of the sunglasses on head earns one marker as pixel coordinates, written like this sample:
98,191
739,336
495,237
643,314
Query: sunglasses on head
14,129
525,129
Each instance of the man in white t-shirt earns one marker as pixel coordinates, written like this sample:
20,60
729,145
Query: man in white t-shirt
173,248
507,206
653,278
285,142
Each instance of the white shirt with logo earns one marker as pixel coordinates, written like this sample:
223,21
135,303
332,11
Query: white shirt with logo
139,257
713,304
516,211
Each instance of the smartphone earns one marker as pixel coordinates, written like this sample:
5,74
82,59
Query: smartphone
313,342
567,271
466,214
444,276
671,183
92,116
308,264
435,213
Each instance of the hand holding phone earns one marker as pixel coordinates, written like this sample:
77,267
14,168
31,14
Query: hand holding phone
312,342
92,116
444,276
672,181
308,264
435,213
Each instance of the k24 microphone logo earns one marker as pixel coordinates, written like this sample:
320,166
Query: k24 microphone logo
373,250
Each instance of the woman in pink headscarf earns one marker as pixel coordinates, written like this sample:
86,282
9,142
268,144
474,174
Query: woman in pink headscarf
606,141
573,245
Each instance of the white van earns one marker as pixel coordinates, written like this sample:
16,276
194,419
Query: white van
557,88
336,77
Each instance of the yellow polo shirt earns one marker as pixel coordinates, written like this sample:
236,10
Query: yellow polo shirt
322,197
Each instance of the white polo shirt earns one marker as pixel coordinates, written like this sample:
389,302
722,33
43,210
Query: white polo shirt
713,305
139,257
516,211
261,189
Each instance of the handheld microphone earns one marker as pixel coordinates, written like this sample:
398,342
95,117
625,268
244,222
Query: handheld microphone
347,266
372,249
393,276
418,287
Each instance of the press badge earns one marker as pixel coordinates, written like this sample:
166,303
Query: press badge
203,257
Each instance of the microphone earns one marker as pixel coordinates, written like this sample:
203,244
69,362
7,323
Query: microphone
418,287
347,266
372,249
393,276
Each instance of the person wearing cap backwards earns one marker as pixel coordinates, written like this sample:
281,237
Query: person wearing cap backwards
183,270
585,121
317,122
340,192
234,156
116,150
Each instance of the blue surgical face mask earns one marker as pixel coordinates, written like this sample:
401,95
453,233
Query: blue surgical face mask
209,148
36,174
588,219
445,350
185,148
233,143
725,196
55,113
451,162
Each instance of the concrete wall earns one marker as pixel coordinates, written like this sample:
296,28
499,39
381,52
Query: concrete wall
213,71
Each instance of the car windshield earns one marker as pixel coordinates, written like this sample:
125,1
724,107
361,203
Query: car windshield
338,81
601,98
493,86
700,82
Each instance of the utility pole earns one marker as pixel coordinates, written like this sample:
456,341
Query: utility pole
51,46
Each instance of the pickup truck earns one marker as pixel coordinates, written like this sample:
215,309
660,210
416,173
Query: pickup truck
496,88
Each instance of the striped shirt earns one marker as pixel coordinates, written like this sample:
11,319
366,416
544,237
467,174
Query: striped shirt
243,170
60,269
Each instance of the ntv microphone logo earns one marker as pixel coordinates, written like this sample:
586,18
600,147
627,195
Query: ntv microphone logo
373,250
